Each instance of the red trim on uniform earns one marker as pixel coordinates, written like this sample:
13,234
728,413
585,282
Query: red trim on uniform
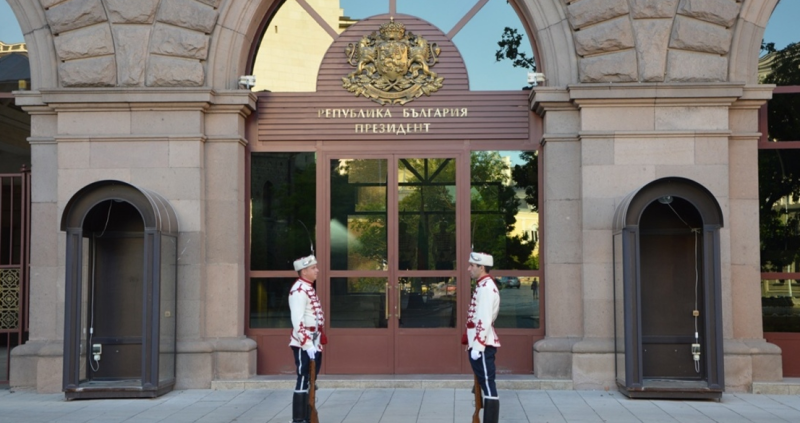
308,282
487,276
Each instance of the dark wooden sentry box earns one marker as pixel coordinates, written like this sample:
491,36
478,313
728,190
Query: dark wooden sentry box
491,115
121,292
653,281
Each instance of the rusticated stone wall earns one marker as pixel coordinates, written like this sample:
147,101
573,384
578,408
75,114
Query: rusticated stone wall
125,43
652,40
166,43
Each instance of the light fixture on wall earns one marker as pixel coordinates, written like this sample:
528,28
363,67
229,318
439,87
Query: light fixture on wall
667,199
535,78
248,81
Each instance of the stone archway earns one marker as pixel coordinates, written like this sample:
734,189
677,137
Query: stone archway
588,41
212,40
239,24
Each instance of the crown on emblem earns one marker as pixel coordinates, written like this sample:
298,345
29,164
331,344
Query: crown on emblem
393,30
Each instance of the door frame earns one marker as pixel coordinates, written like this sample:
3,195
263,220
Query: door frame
388,343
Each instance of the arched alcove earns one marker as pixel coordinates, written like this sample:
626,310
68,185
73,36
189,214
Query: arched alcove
120,299
667,292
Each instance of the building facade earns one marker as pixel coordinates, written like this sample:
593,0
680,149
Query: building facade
639,96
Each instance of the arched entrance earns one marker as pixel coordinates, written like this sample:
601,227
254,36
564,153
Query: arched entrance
667,292
393,194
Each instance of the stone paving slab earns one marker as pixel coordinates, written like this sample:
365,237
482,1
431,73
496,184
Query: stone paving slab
393,405
463,381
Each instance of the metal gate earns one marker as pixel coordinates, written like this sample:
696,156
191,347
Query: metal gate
14,264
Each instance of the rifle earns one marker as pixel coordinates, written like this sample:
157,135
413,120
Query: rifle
476,416
312,391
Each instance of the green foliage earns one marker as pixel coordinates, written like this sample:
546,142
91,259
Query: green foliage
495,206
427,213
359,190
527,176
784,109
786,66
767,47
509,44
278,237
779,169
779,187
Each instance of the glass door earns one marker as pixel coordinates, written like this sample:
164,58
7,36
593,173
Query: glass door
392,265
427,340
358,211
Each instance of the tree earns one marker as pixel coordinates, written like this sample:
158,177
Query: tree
510,42
779,169
784,110
283,189
358,188
527,176
495,207
779,221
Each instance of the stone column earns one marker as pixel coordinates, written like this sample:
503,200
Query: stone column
38,362
748,357
562,256
235,354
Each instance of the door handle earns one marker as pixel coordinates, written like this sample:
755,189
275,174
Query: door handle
399,302
386,291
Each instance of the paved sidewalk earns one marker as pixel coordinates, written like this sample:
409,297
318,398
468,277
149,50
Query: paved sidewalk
396,406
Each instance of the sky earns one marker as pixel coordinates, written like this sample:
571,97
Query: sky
477,42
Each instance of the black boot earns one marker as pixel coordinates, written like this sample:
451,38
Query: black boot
491,410
300,407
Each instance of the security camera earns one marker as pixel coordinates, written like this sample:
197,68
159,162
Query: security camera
535,78
247,81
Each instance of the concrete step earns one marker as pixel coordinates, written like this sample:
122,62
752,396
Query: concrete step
515,382
788,386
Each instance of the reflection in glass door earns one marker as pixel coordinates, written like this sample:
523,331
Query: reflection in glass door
393,267
361,338
427,266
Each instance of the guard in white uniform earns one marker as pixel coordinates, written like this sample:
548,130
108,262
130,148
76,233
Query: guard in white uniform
307,336
482,340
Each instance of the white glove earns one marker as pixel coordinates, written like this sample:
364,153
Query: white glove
475,354
312,353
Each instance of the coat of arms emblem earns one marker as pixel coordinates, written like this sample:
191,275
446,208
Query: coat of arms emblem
392,66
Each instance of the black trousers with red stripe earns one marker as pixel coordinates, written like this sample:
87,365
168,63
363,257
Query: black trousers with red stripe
484,368
301,363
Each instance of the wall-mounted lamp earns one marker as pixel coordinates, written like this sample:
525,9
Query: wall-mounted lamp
535,78
247,81
665,199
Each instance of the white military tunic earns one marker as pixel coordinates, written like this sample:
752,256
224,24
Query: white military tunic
483,310
307,317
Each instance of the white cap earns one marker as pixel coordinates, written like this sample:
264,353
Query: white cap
482,259
304,262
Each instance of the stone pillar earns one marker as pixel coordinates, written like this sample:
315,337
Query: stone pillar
38,362
562,257
748,357
235,354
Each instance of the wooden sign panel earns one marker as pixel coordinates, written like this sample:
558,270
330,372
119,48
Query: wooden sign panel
452,112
